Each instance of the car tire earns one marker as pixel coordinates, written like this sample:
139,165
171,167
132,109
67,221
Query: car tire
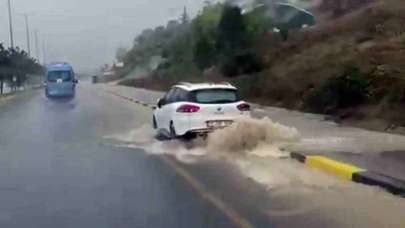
155,126
189,136
173,133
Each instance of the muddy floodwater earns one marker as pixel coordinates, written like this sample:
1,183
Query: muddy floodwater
259,149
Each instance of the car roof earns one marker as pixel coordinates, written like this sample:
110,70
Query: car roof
59,67
196,86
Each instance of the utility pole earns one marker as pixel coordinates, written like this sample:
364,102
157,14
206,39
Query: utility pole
36,44
44,52
27,28
184,17
10,21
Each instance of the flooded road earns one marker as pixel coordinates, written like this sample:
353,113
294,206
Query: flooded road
323,136
317,135
257,150
94,162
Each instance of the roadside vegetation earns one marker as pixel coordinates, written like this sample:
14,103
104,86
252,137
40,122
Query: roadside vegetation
350,64
16,67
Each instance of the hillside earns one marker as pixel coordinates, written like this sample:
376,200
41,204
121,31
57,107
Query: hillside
350,66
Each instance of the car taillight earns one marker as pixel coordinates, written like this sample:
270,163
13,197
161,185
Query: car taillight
244,107
187,108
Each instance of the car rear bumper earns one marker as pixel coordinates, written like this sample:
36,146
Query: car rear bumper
198,125
204,131
60,92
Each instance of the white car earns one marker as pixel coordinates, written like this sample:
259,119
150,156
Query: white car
197,109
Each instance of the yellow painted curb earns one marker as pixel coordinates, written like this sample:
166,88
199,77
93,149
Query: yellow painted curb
336,168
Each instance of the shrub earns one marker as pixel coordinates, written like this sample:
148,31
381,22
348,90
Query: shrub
204,53
349,89
244,63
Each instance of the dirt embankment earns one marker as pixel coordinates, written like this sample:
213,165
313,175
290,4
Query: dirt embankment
352,68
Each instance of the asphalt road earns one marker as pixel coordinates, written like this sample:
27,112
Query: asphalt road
55,171
58,170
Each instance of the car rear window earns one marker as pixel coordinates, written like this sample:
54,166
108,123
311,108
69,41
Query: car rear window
55,75
215,96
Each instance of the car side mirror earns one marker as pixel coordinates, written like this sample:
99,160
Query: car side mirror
75,81
160,102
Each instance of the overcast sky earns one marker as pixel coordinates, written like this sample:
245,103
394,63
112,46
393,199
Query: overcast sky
87,33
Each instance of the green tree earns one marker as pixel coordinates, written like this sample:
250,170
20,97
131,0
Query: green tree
234,44
204,29
204,52
232,31
16,64
4,66
258,22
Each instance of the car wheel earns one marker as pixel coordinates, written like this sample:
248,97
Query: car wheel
189,136
173,134
154,123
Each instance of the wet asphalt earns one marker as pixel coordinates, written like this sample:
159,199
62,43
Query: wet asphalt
58,170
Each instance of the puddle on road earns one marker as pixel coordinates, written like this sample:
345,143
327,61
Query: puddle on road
257,147
60,104
260,137
247,137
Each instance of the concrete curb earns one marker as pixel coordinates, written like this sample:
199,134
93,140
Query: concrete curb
350,172
132,100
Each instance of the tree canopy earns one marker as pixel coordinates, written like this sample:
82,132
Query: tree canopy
15,65
221,34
